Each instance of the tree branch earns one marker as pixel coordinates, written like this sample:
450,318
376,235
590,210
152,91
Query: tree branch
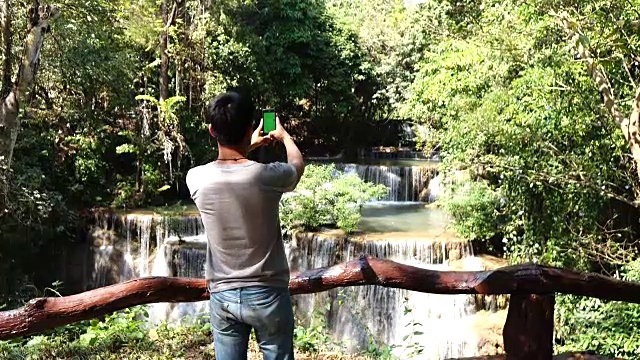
40,17
564,356
630,126
7,47
164,56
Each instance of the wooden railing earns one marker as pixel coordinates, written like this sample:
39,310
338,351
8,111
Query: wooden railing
528,330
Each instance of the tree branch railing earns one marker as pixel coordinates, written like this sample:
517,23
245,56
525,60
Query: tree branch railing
528,331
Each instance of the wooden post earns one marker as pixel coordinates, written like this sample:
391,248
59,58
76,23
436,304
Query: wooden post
528,331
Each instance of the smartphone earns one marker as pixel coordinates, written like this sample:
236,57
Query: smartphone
269,120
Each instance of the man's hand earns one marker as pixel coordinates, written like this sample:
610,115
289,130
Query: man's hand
279,133
258,138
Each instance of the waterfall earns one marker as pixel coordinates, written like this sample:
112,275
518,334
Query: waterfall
133,245
160,311
160,265
356,313
434,190
127,246
188,261
109,257
184,226
142,225
405,183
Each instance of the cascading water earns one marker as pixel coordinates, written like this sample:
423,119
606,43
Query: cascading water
160,267
189,261
356,313
142,224
122,250
184,227
133,245
110,261
134,257
405,183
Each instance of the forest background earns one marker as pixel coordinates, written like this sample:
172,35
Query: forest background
533,106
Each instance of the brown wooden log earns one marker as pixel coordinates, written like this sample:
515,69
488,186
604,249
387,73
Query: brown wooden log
517,279
43,314
565,356
528,331
46,313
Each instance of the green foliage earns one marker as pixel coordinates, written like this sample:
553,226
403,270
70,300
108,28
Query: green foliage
606,327
477,198
119,335
33,219
509,105
393,37
505,96
326,197
315,337
128,334
114,326
412,347
379,351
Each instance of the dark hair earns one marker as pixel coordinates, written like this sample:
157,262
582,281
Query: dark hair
230,114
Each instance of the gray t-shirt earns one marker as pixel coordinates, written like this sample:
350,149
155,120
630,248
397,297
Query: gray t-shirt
239,206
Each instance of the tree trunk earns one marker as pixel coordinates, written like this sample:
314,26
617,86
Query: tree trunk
181,12
10,104
42,314
164,56
630,126
565,356
7,47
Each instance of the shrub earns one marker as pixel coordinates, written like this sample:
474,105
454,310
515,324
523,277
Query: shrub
478,199
121,335
327,197
128,335
609,328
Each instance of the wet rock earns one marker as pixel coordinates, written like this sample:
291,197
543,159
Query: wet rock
488,327
424,195
455,254
490,303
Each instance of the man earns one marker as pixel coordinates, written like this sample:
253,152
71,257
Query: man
238,199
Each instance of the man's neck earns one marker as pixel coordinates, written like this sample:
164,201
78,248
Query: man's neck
232,153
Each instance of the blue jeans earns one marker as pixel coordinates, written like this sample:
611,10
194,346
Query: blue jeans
267,310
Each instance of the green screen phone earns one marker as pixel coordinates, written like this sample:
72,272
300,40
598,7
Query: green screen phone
269,118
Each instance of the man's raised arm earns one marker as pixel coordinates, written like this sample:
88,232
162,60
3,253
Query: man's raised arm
294,156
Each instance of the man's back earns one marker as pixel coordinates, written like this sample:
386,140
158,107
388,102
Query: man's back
238,200
239,206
